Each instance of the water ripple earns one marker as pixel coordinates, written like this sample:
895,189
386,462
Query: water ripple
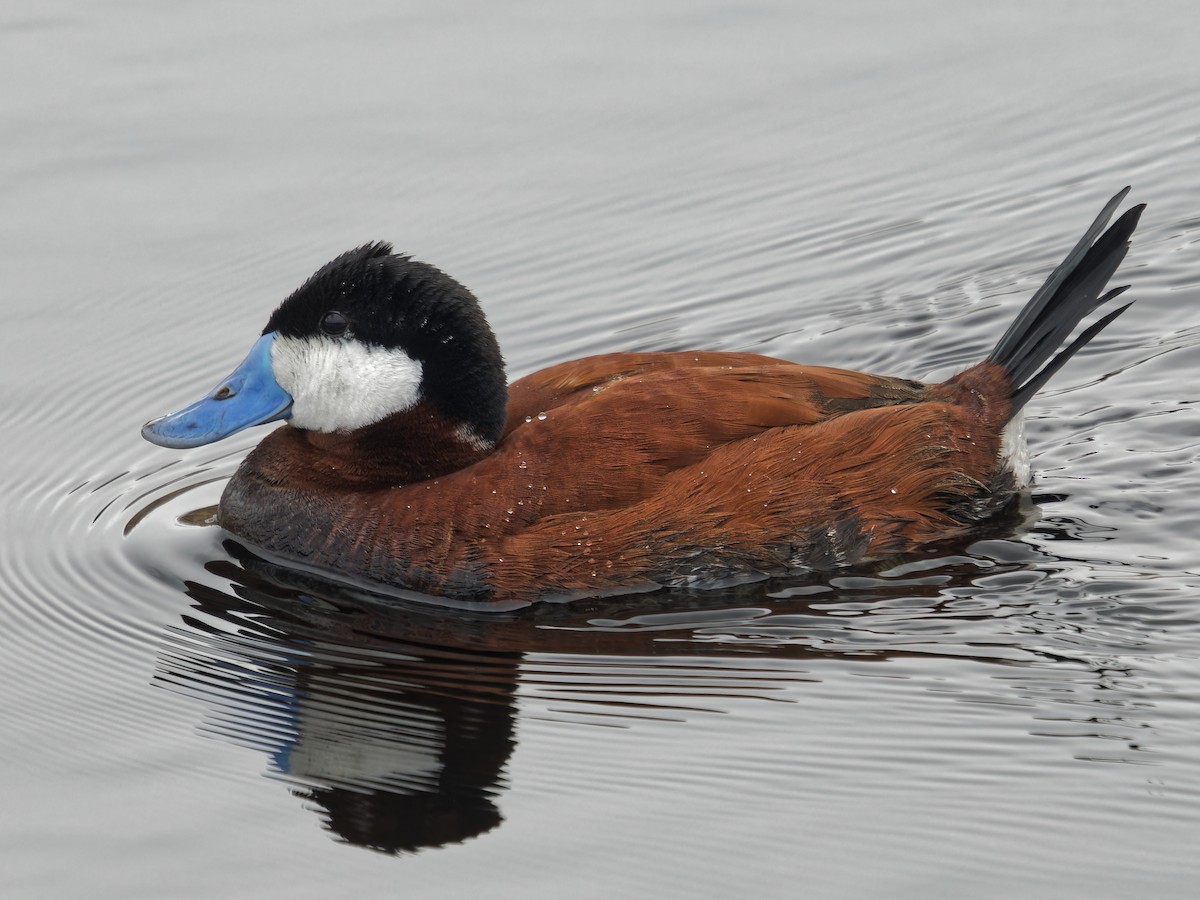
965,687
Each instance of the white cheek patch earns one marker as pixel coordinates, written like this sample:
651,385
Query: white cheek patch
341,385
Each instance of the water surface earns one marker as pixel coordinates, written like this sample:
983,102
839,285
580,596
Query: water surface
876,187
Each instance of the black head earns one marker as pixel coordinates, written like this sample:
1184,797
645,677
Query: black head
383,301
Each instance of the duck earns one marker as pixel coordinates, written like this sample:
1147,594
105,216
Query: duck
406,460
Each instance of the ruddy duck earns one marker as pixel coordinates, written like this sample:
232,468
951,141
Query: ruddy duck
406,460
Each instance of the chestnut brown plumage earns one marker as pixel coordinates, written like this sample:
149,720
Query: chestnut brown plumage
633,471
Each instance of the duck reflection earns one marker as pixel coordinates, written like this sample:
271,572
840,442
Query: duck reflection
395,719
398,744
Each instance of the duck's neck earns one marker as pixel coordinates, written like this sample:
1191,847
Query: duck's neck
410,446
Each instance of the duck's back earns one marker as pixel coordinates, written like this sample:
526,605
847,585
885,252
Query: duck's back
605,431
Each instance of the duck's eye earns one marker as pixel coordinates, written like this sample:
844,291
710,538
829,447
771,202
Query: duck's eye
333,323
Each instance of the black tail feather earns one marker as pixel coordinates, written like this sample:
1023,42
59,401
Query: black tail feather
1070,293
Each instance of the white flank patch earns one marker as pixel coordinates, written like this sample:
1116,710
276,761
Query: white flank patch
341,385
1014,449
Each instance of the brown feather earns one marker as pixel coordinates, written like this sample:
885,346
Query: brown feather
647,469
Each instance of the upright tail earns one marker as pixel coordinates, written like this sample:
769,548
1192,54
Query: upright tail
1071,292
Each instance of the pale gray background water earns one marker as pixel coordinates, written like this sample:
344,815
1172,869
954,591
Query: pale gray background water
874,185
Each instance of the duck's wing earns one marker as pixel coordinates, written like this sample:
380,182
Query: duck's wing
865,485
604,432
735,380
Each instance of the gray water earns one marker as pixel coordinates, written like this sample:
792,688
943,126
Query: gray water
876,186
